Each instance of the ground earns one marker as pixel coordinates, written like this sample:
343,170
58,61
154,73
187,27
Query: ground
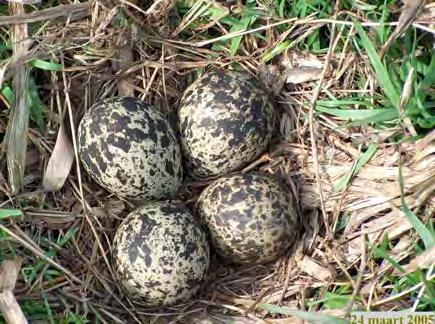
353,83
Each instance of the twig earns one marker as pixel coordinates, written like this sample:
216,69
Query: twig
290,267
307,20
262,159
125,61
18,124
312,129
359,280
9,306
77,11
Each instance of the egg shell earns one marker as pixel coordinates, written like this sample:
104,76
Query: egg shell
161,254
250,217
225,121
129,148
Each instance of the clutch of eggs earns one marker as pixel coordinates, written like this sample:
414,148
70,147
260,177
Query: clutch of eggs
129,148
161,253
250,217
225,121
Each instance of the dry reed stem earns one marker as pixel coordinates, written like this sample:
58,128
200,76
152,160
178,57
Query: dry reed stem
73,11
17,128
9,307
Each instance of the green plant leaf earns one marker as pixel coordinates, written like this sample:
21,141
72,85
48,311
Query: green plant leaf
6,213
365,115
281,8
381,252
381,117
334,103
382,74
426,236
278,49
37,108
242,25
45,65
363,160
334,301
8,93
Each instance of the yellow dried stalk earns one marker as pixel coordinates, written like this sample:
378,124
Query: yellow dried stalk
17,129
373,196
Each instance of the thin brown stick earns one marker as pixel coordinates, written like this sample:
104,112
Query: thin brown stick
314,150
77,11
360,275
125,61
307,20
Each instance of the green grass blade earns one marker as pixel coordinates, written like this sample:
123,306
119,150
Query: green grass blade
381,252
365,115
37,108
48,310
308,316
44,65
376,119
366,156
278,49
381,71
336,301
334,103
363,160
281,8
6,213
425,234
67,237
8,93
242,26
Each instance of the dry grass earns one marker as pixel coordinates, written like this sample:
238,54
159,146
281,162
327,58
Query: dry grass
348,201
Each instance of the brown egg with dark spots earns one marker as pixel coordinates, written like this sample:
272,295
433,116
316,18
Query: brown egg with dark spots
161,254
129,148
225,121
250,217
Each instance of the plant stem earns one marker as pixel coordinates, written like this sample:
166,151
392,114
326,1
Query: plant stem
17,128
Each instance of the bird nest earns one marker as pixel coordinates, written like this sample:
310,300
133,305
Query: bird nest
354,185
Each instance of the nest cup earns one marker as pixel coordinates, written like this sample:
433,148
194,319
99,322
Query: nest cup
161,252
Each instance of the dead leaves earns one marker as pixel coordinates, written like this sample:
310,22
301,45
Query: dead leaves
315,270
421,261
155,16
294,67
60,162
301,67
9,307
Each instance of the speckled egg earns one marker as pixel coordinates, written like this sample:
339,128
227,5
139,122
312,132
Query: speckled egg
129,148
251,218
161,254
225,121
